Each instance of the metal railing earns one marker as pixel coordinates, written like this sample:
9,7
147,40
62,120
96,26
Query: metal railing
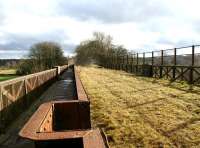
182,63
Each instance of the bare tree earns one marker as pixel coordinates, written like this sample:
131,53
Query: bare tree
95,49
42,56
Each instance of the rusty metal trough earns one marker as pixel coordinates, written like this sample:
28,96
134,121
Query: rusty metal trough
64,124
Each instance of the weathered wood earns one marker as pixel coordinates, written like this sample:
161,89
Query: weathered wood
12,91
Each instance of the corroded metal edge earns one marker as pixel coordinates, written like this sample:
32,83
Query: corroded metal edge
91,137
30,129
79,87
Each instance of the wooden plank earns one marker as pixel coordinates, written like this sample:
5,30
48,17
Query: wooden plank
1,100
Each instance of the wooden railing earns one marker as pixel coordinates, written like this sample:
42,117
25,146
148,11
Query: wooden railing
17,94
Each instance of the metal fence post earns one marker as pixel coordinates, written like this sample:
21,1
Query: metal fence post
152,63
107,60
161,57
143,62
152,59
131,63
192,66
123,63
161,64
116,65
174,68
117,61
137,64
1,107
113,60
127,62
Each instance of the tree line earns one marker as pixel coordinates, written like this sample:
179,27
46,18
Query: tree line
42,56
46,55
96,49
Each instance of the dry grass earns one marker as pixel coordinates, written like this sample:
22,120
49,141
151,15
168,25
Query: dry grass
142,112
7,71
6,74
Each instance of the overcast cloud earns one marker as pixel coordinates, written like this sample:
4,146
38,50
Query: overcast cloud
140,25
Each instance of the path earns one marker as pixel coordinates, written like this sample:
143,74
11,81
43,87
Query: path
61,89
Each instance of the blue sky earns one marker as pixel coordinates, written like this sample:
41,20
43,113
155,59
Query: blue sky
140,25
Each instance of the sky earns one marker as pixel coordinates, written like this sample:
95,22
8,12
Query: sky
138,25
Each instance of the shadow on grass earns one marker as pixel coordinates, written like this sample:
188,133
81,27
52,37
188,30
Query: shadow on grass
148,102
182,126
179,85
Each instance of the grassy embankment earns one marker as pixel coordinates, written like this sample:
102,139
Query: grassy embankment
6,74
142,112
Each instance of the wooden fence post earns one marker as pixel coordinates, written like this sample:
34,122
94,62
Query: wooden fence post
192,66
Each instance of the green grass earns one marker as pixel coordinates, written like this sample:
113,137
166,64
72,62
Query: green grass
142,112
7,77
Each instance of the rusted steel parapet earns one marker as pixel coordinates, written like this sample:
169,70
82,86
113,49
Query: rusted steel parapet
63,123
81,94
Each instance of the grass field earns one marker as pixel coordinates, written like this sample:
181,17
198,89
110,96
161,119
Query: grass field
7,77
142,112
6,74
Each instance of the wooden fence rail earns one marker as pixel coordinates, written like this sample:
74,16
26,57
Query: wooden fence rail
17,94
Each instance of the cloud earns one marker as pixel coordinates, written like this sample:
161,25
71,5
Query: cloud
13,54
69,49
113,11
2,16
24,41
143,25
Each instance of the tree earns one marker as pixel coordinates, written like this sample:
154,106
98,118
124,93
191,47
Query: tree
97,50
42,56
93,50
